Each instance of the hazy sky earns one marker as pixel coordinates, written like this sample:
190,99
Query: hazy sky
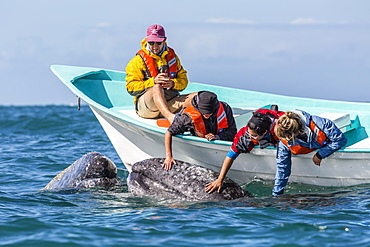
315,48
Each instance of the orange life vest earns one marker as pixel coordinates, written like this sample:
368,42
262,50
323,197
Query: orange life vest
151,66
318,135
198,122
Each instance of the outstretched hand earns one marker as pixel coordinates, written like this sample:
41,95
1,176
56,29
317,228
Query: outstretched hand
215,185
167,165
316,160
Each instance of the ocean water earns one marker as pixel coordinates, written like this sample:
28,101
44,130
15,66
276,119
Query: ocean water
37,142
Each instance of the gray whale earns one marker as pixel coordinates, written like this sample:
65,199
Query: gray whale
184,181
91,170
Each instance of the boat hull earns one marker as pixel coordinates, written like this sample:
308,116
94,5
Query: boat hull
134,143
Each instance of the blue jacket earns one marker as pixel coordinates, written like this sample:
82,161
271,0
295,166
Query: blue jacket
284,155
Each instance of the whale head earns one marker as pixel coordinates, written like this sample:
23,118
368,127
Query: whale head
91,170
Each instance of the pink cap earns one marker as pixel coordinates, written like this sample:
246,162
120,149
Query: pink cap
155,33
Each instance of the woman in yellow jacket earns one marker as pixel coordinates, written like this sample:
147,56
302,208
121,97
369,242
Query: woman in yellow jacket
155,77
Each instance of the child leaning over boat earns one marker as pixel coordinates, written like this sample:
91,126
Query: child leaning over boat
302,133
206,117
258,131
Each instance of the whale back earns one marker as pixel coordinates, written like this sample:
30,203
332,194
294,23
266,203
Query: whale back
185,181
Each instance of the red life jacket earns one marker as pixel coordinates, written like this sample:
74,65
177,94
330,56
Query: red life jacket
198,122
152,67
318,135
276,115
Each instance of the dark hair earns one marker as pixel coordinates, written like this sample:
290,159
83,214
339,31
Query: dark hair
259,123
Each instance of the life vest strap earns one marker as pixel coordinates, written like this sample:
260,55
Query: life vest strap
152,67
318,135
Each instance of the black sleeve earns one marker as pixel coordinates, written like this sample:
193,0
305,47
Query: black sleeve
244,144
180,125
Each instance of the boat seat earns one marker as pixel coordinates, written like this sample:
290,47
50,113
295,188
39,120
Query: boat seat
132,114
342,120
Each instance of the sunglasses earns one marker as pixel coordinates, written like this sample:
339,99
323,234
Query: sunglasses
152,43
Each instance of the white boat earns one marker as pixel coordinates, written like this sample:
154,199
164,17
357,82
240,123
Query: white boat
135,138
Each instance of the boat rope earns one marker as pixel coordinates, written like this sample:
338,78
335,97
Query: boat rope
78,102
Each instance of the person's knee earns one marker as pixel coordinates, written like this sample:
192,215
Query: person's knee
157,87
157,92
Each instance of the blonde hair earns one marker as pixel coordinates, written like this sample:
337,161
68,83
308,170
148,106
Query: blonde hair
289,126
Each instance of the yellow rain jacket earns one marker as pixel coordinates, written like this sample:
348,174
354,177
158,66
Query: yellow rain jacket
137,80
